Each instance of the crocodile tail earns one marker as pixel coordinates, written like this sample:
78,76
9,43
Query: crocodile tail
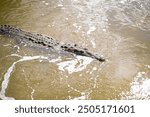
8,30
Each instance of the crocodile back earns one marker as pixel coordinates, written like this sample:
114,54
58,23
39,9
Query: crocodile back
45,41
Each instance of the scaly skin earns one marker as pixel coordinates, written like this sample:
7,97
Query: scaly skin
39,39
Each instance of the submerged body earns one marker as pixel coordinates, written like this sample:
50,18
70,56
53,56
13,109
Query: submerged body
42,40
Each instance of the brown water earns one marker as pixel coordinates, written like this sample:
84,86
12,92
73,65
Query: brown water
117,29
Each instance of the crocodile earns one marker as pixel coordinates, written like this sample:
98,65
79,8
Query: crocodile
46,41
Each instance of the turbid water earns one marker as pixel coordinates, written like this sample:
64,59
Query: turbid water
117,29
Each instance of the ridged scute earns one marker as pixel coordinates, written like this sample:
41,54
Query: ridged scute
46,41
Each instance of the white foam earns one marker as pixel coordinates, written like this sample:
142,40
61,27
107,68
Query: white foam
7,45
93,43
148,66
32,94
122,1
140,88
77,27
91,29
46,3
84,96
60,5
5,82
55,60
80,98
10,70
73,65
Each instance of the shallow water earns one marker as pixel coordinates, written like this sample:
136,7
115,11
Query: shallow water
117,29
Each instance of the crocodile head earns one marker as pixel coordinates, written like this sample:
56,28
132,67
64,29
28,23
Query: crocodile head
99,57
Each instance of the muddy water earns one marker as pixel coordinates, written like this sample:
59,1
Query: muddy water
117,29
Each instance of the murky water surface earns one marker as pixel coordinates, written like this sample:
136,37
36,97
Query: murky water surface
117,29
